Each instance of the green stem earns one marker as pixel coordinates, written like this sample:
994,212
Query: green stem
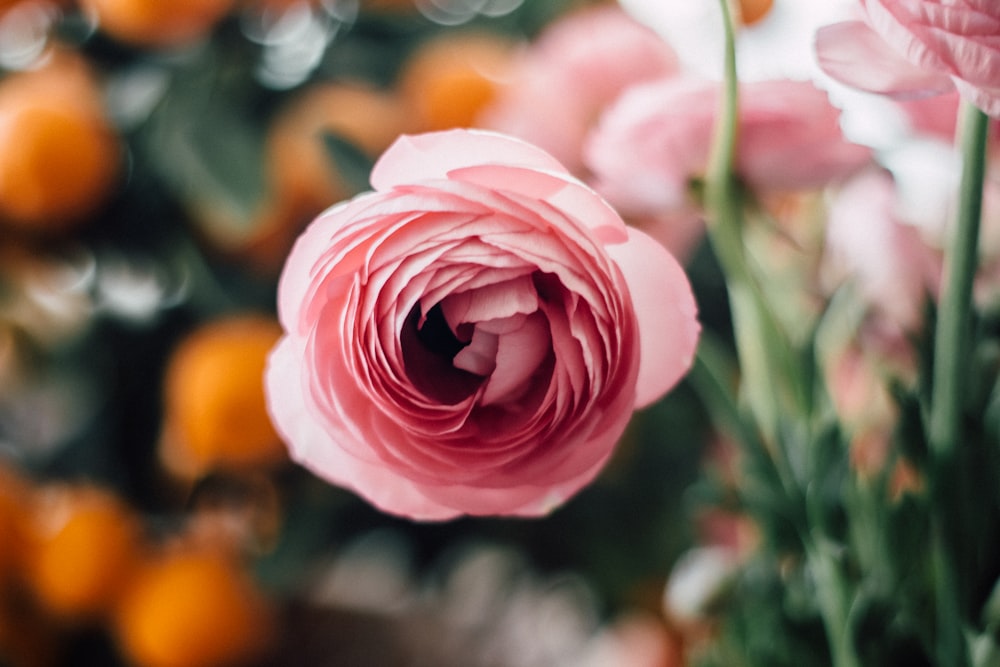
952,334
725,223
833,599
951,358
725,231
769,376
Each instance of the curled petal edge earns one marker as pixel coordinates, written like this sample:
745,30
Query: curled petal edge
665,310
852,53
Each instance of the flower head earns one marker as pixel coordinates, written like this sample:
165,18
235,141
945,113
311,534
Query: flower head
918,48
473,336
656,139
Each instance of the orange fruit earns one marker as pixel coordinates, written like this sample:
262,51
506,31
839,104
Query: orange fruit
60,157
14,499
449,79
84,542
752,11
157,23
192,607
215,411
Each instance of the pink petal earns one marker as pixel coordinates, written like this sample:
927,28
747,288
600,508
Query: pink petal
517,358
524,501
310,444
490,302
666,312
855,55
987,99
413,158
297,277
953,39
480,355
558,189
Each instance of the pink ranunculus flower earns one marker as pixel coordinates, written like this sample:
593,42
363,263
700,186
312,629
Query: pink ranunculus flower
473,336
656,139
887,260
566,77
918,48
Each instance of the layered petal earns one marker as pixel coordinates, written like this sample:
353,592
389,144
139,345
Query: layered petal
913,48
666,313
855,55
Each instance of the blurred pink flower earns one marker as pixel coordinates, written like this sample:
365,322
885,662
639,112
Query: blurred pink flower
926,170
473,336
937,116
575,68
887,260
654,142
918,48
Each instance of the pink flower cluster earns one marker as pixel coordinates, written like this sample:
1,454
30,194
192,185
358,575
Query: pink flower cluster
611,99
473,336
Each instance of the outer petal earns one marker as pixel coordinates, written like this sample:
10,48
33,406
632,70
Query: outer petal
666,312
528,500
855,55
949,37
310,445
413,158
297,275
987,99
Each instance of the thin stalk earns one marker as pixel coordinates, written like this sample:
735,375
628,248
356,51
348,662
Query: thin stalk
769,374
834,602
952,341
951,338
725,229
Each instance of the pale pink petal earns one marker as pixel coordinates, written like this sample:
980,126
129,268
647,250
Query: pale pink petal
855,55
414,158
309,443
666,312
480,355
527,499
297,277
987,99
951,39
499,300
517,358
559,189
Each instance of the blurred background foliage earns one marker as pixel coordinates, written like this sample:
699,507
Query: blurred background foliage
157,159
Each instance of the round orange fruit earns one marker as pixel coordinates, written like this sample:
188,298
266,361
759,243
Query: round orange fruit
192,607
60,156
449,79
157,23
15,493
215,411
84,543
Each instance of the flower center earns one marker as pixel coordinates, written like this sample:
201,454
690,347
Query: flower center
437,337
429,350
